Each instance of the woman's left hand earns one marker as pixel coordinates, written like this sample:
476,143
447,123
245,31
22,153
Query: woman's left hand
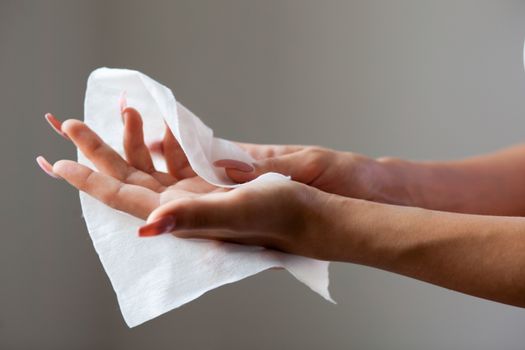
284,215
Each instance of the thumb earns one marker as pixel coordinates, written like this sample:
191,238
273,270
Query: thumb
289,165
208,212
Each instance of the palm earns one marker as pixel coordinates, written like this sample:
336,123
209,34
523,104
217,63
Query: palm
186,188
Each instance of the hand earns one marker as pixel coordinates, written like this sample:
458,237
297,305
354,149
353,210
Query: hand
287,215
343,173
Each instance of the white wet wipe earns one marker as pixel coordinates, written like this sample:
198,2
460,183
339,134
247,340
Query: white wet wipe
152,276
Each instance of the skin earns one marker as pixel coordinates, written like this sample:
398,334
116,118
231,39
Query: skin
453,224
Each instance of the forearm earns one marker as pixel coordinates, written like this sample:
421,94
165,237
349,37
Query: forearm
492,184
478,255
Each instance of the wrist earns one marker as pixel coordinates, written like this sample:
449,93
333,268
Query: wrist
376,234
429,185
399,182
357,236
349,229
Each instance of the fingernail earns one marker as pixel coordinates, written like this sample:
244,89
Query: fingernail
123,101
56,125
163,225
47,167
123,104
234,164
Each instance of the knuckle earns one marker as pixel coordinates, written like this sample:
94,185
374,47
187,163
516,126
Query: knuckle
315,149
317,155
108,200
96,145
316,159
389,159
86,183
111,198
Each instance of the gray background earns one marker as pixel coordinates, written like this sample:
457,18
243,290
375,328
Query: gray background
414,79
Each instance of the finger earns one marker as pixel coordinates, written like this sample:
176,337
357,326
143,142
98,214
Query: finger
267,151
285,165
46,167
137,153
238,171
234,164
255,150
218,216
95,149
303,166
246,216
56,125
135,200
213,211
176,160
105,158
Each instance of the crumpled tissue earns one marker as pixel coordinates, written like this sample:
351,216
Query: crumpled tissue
152,276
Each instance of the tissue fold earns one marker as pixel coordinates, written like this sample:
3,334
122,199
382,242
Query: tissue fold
153,276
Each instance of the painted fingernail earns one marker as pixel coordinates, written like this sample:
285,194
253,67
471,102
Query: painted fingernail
123,104
234,164
56,125
163,225
47,167
123,101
